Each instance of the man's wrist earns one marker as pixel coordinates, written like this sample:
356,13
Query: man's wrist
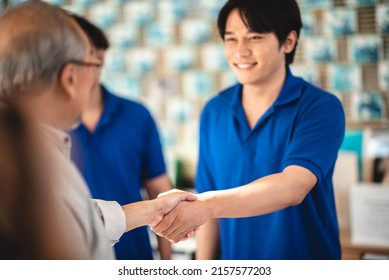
138,213
208,200
151,211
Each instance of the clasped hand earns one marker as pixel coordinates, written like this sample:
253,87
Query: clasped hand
182,220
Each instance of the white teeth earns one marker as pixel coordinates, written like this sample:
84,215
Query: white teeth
245,66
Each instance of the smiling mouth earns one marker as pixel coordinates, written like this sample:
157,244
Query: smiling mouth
245,65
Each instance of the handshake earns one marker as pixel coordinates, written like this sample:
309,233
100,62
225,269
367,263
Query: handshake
176,214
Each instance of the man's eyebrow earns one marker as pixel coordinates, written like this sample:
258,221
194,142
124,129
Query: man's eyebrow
248,32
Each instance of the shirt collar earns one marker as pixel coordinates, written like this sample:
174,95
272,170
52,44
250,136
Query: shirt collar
58,138
111,103
291,90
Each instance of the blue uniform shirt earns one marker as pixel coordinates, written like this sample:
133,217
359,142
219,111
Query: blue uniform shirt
305,127
122,152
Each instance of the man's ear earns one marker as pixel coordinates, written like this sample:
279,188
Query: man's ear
290,42
67,80
100,53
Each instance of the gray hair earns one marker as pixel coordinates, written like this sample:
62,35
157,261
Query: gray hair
41,39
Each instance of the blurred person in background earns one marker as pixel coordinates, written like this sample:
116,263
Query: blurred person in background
268,147
47,68
118,150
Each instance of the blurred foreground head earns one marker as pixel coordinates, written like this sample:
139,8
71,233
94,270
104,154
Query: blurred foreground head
40,83
29,213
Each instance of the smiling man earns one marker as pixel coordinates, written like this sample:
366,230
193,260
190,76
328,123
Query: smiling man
268,147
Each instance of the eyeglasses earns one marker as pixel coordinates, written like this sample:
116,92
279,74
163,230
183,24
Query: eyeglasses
93,65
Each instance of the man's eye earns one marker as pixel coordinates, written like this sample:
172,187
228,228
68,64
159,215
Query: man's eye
229,39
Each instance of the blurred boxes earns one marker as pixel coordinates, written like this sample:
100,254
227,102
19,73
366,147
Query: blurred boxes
343,181
369,212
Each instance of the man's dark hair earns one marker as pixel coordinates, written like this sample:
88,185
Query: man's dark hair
265,16
94,34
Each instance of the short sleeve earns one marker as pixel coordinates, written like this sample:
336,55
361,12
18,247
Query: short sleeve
317,136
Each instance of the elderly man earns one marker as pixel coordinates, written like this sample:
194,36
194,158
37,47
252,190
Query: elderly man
47,65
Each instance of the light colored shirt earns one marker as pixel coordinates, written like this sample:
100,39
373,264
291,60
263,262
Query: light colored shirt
122,152
96,225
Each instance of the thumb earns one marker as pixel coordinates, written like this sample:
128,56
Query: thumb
174,198
190,196
181,195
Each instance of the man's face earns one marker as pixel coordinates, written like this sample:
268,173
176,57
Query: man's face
87,77
100,55
253,57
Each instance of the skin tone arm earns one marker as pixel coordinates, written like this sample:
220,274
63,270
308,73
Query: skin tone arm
262,196
207,239
154,187
151,212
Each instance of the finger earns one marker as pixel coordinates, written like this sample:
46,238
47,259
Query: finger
176,198
191,233
163,227
184,239
169,192
178,234
182,195
172,228
191,197
156,221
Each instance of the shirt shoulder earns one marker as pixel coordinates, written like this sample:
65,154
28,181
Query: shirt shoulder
314,98
314,93
223,98
131,107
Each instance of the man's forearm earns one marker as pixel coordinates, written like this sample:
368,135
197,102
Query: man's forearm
207,238
165,248
263,196
138,214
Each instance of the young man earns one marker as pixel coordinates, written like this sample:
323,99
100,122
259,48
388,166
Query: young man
118,151
268,147
47,67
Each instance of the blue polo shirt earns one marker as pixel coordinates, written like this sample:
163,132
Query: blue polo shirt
305,127
122,152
